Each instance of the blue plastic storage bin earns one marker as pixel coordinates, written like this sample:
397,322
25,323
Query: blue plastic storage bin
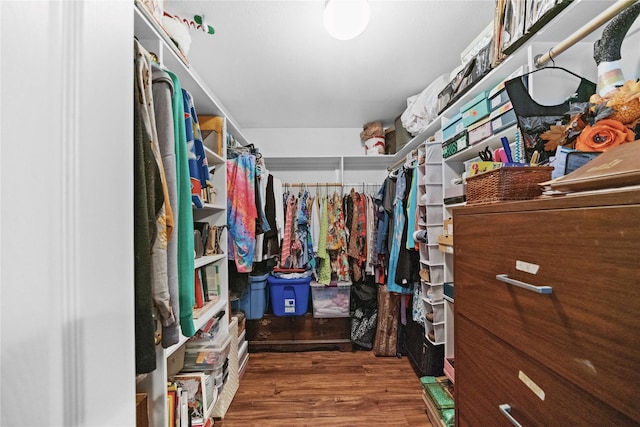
289,297
253,301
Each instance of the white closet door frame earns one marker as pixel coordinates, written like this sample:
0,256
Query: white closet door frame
66,214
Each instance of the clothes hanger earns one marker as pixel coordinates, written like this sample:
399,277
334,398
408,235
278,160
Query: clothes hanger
552,67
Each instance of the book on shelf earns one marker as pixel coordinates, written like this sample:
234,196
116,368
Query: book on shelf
205,283
200,395
616,167
199,298
184,408
172,396
213,281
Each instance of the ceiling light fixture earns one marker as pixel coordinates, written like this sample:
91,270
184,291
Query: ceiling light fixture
346,19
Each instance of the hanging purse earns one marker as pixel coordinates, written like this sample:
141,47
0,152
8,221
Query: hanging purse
198,247
203,228
213,241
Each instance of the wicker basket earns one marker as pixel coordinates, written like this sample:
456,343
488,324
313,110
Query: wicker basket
507,183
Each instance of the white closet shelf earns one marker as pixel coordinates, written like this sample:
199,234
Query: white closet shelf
206,103
211,208
328,162
198,323
302,163
206,260
564,24
213,158
366,162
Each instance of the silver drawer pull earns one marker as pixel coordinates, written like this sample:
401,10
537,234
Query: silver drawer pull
506,411
539,289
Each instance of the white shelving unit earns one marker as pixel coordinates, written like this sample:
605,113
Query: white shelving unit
150,34
578,59
336,169
430,214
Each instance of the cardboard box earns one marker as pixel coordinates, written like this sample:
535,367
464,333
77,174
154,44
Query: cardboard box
474,110
476,168
402,136
212,128
142,410
446,240
447,226
454,194
390,141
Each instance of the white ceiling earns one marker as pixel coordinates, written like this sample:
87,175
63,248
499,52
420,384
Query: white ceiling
272,65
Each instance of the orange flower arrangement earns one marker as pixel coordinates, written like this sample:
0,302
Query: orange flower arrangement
604,134
600,124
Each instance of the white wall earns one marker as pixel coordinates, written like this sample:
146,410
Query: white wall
66,204
306,142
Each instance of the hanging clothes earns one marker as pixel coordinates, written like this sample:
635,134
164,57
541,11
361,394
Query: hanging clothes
262,225
184,213
241,210
396,260
337,239
198,181
271,247
412,202
357,236
408,259
371,259
162,88
324,260
147,205
286,260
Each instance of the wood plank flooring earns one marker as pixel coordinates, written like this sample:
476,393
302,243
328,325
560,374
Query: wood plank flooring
327,388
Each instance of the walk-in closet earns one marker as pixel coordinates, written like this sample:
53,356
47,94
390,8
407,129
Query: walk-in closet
319,213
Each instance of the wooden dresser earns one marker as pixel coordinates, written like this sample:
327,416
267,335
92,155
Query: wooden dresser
570,355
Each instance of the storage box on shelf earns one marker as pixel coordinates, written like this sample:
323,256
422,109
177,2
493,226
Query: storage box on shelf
206,354
331,300
476,109
289,297
253,300
502,117
202,394
479,131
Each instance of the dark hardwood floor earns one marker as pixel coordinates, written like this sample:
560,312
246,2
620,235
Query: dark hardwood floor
327,388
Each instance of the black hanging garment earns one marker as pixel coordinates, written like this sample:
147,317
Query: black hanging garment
364,312
535,119
425,357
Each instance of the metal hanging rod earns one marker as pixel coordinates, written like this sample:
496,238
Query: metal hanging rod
330,184
412,155
584,31
313,184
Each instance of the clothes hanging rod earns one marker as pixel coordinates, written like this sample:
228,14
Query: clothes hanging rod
328,184
412,154
313,184
584,31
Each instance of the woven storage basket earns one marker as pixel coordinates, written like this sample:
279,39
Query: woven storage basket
507,183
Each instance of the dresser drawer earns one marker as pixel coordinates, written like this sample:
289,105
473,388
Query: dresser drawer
588,328
490,372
